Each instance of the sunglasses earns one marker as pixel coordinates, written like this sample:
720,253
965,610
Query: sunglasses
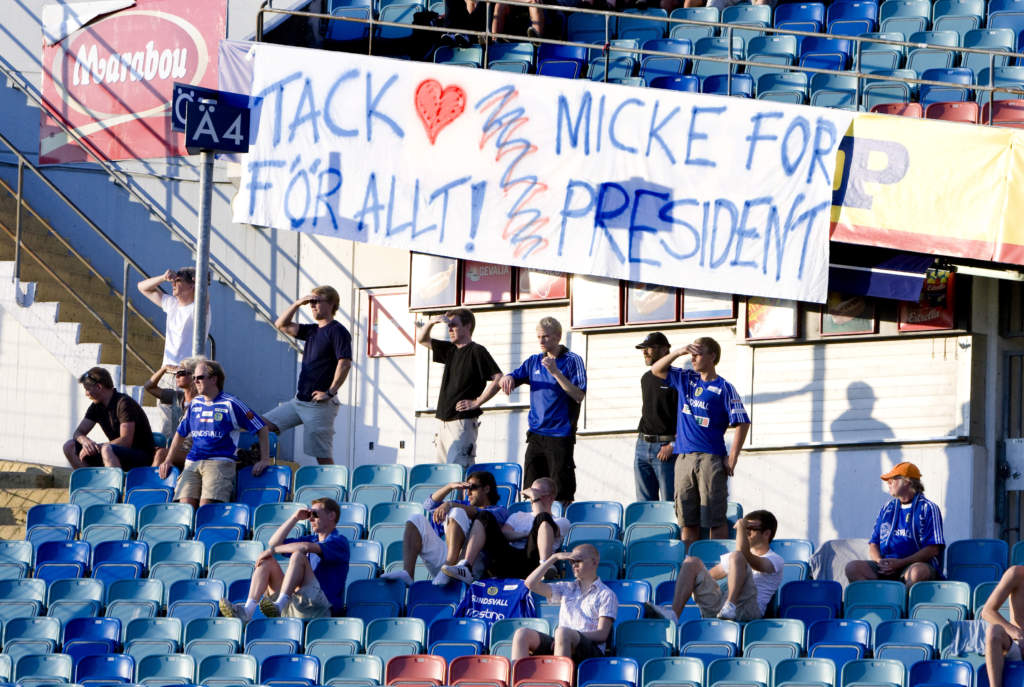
200,378
88,379
474,487
751,528
314,515
182,373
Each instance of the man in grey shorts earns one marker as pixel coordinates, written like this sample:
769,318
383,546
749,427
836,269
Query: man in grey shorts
326,361
753,570
708,406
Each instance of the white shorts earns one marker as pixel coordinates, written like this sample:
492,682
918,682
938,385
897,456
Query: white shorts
317,420
455,441
435,551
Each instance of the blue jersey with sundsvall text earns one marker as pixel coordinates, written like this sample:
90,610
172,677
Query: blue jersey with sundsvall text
496,599
214,426
706,410
553,412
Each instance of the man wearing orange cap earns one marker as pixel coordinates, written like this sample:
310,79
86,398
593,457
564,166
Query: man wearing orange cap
907,541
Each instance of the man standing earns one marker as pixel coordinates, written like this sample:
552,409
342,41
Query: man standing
123,422
326,361
586,613
708,405
558,384
180,309
464,388
753,569
518,546
313,586
654,462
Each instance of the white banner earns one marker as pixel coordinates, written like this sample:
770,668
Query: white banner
716,193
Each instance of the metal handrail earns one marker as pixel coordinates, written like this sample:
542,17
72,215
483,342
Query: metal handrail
488,36
122,179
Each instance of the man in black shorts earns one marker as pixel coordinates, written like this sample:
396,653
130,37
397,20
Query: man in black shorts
124,423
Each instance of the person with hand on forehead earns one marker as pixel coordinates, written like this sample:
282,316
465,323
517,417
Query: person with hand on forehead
586,613
313,586
174,402
180,309
470,379
708,405
753,570
326,361
907,541
439,537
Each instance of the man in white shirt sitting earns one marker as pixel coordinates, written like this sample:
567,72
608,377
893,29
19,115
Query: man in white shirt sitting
753,570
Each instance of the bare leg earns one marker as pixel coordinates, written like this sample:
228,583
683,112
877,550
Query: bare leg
71,453
565,641
537,20
109,458
546,540
191,502
860,570
298,573
203,502
524,642
917,572
266,577
720,532
692,566
325,461
412,544
694,3
739,571
690,535
455,538
475,542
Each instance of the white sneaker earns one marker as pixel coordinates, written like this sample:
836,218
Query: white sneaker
398,576
440,579
728,611
462,573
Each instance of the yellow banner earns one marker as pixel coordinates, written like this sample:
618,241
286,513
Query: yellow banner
931,186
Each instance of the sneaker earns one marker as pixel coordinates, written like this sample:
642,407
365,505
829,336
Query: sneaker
462,573
230,610
462,41
398,576
728,611
269,608
665,611
440,579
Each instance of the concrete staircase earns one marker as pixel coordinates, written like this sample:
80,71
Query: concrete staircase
25,485
53,277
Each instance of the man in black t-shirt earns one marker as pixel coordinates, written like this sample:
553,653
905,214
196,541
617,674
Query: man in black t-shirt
654,464
326,361
123,422
470,379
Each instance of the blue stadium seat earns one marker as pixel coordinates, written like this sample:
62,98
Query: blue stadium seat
188,599
108,522
800,16
875,57
372,494
165,522
15,558
651,67
115,560
613,69
852,17
959,79
885,92
339,636
228,516
170,669
630,591
692,32
378,598
643,25
810,600
66,515
938,594
873,671
904,17
710,630
105,669
834,90
825,52
735,671
604,670
791,87
718,47
451,637
212,636
99,479
150,485
746,21
352,519
805,670
394,512
510,473
645,638
992,39
709,551
774,630
275,478
961,16
1011,76
104,630
428,601
678,670
906,641
655,519
780,50
222,671
588,28
793,550
59,559
686,83
74,598
444,473
280,629
353,670
43,667
290,670
386,637
398,13
275,514
946,672
740,85
380,474
655,560
315,481
940,56
166,629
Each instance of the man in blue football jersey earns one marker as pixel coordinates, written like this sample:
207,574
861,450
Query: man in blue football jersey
708,406
214,420
907,542
313,586
558,384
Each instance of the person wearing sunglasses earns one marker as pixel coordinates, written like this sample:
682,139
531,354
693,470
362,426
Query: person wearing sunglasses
213,420
173,402
326,361
123,421
439,537
180,309
313,585
753,570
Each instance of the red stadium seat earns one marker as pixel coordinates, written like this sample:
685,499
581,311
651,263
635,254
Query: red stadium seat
543,670
415,669
476,670
899,109
953,112
1005,113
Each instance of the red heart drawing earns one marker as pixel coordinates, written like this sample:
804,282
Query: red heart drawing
438,107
